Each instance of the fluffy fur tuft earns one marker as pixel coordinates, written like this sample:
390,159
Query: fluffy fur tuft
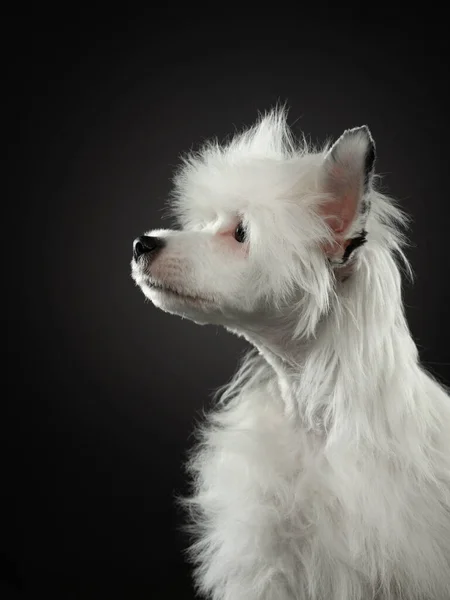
323,471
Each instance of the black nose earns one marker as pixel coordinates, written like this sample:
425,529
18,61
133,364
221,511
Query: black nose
145,244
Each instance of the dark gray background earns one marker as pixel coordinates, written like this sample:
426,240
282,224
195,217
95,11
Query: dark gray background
104,389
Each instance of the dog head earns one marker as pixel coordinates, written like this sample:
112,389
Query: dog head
264,223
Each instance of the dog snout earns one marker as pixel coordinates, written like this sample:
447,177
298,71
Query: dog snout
145,244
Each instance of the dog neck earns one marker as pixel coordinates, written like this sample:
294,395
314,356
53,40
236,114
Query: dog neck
361,359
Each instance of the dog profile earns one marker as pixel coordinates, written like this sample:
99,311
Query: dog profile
323,470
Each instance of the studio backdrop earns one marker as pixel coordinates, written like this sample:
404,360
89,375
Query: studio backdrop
104,390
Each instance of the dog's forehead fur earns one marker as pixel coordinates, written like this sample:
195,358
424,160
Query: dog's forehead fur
263,168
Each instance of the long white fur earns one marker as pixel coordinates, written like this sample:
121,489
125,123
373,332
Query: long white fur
323,470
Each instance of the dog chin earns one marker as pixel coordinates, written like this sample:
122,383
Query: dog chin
177,302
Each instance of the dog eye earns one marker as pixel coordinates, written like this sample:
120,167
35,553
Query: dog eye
239,233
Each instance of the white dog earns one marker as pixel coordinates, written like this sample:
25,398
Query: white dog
324,471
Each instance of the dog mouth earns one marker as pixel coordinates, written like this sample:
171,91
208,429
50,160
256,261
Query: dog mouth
166,289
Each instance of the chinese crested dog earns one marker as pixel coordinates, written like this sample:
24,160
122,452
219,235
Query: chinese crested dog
323,470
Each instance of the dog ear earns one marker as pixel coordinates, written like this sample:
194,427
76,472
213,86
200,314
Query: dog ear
345,177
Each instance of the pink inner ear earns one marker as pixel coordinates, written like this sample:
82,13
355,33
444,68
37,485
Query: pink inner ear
340,211
339,215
